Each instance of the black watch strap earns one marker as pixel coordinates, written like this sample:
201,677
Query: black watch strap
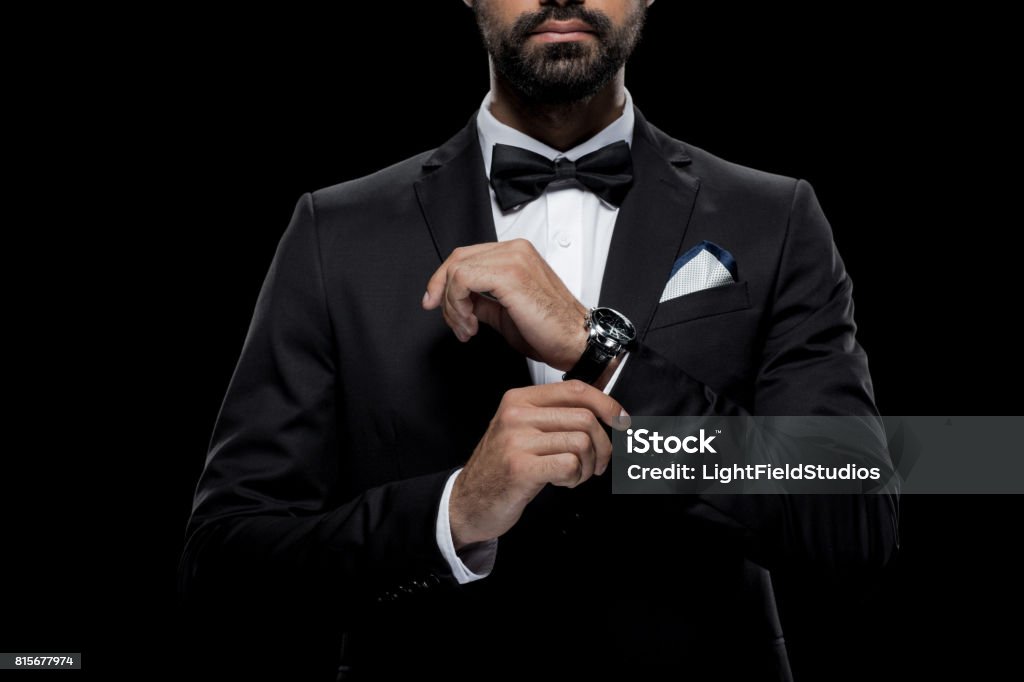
590,366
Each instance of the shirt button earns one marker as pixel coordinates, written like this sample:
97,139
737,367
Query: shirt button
563,239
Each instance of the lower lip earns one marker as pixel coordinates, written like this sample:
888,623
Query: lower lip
553,37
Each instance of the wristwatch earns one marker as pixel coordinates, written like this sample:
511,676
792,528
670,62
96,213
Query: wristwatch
611,333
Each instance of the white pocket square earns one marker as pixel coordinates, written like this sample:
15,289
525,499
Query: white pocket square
704,266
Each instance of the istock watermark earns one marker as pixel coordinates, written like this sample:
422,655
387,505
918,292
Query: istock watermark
819,455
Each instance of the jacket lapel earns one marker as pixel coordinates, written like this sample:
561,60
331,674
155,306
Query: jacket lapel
454,194
455,198
650,226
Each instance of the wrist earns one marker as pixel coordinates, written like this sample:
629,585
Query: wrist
578,336
461,528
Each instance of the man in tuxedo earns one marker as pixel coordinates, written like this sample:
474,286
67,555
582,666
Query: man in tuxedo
401,480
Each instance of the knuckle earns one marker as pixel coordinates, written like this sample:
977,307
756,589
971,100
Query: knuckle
523,255
510,415
515,266
521,276
577,442
573,471
511,396
584,418
575,386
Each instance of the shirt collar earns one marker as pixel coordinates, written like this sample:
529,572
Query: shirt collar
492,132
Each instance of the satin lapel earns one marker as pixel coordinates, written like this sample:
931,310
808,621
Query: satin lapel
454,195
650,226
456,202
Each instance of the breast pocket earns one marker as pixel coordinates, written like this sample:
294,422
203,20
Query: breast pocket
704,303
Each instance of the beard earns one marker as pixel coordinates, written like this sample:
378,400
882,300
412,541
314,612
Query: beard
561,72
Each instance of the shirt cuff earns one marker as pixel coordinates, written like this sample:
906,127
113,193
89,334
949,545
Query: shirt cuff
615,374
472,562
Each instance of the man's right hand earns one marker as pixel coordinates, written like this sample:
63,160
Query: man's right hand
540,434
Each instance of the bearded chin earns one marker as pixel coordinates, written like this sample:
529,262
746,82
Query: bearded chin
558,73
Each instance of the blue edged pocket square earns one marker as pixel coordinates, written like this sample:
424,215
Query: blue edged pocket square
704,266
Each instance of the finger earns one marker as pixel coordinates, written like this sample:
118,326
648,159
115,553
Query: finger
456,326
464,328
487,310
462,317
579,443
563,469
433,296
548,421
494,314
575,393
493,272
463,279
435,287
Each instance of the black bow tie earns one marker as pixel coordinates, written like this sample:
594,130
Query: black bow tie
519,175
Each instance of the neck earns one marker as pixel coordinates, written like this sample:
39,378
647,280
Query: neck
560,126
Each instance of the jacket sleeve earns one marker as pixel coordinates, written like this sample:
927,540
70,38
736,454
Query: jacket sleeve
809,364
267,520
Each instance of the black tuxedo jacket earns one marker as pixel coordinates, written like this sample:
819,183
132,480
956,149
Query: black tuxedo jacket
312,531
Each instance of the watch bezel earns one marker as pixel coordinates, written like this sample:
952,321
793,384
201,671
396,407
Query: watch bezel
605,336
604,344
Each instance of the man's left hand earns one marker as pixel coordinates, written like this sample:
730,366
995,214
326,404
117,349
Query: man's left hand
510,287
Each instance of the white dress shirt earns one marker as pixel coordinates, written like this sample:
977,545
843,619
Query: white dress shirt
571,228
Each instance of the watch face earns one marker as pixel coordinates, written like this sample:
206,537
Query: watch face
614,324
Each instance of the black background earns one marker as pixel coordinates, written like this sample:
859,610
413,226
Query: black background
164,162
